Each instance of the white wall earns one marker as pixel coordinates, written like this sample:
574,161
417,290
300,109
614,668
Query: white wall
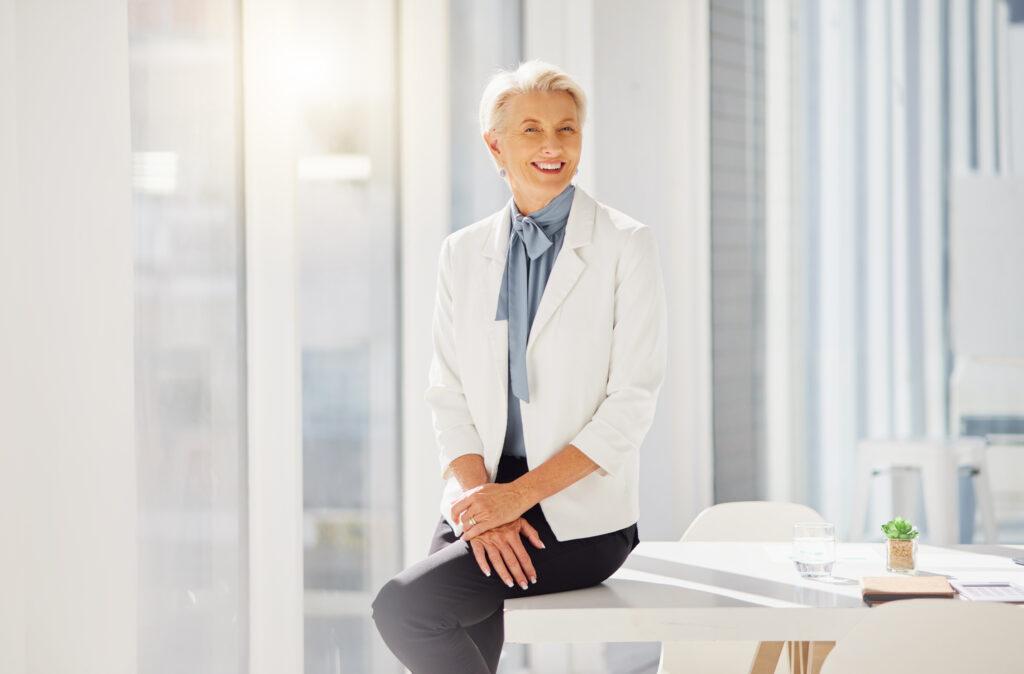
425,213
12,495
986,242
67,467
274,451
783,360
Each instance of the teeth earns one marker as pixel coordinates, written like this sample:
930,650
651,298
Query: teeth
555,165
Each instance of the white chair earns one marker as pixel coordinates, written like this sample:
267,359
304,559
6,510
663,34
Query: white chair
737,521
749,521
938,636
937,459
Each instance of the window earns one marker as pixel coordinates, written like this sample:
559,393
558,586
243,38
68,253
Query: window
485,37
347,197
189,337
737,248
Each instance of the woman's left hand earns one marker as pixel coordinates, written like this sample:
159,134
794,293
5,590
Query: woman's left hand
488,506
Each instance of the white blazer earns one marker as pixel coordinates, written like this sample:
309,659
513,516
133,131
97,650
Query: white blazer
595,360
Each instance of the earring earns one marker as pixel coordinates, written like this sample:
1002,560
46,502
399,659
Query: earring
501,173
577,170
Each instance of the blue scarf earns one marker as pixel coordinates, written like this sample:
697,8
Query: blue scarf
529,238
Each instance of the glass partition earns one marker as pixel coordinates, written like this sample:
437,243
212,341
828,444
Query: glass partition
347,196
190,400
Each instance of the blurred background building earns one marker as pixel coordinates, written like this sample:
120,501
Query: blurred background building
220,224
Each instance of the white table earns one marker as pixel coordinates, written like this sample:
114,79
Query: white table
673,591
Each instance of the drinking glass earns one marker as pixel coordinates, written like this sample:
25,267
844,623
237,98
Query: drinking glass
814,549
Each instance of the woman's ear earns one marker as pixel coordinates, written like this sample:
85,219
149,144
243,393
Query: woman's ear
491,138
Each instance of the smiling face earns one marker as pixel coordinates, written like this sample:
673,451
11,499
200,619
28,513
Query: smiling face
539,147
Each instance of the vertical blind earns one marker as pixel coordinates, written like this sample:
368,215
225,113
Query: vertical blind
737,247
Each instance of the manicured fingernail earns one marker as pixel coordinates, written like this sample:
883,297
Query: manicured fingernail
533,579
487,572
509,582
542,546
523,585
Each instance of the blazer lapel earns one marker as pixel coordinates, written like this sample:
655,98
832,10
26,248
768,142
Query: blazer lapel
568,265
496,250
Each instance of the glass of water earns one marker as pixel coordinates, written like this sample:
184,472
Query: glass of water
814,549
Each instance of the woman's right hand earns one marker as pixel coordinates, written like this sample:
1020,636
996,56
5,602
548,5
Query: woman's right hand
503,548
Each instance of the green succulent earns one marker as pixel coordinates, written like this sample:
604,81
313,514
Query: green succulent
899,528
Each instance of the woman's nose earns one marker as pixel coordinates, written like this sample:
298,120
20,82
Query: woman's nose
552,143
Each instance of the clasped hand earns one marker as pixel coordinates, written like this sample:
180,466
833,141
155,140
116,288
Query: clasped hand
488,506
491,523
503,547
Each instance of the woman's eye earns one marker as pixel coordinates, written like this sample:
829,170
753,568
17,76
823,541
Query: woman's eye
567,128
529,129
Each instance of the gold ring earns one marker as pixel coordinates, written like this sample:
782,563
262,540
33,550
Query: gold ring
472,522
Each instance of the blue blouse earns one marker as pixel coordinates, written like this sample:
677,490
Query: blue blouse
552,220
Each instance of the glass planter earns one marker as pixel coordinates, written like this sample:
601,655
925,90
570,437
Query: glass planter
901,555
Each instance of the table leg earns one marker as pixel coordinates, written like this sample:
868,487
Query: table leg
797,651
766,659
819,649
983,488
806,657
938,478
862,484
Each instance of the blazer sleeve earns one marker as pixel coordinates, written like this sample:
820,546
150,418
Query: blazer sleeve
453,424
638,357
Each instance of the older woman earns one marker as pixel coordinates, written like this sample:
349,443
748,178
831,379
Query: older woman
549,352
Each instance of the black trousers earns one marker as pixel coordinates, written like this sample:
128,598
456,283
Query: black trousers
444,615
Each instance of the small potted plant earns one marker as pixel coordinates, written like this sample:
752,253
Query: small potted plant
901,555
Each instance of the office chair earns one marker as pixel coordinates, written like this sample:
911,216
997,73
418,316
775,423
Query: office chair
737,521
938,636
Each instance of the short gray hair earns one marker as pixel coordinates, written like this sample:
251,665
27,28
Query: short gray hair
528,77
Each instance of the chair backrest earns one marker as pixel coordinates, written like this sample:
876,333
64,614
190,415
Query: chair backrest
749,521
938,636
